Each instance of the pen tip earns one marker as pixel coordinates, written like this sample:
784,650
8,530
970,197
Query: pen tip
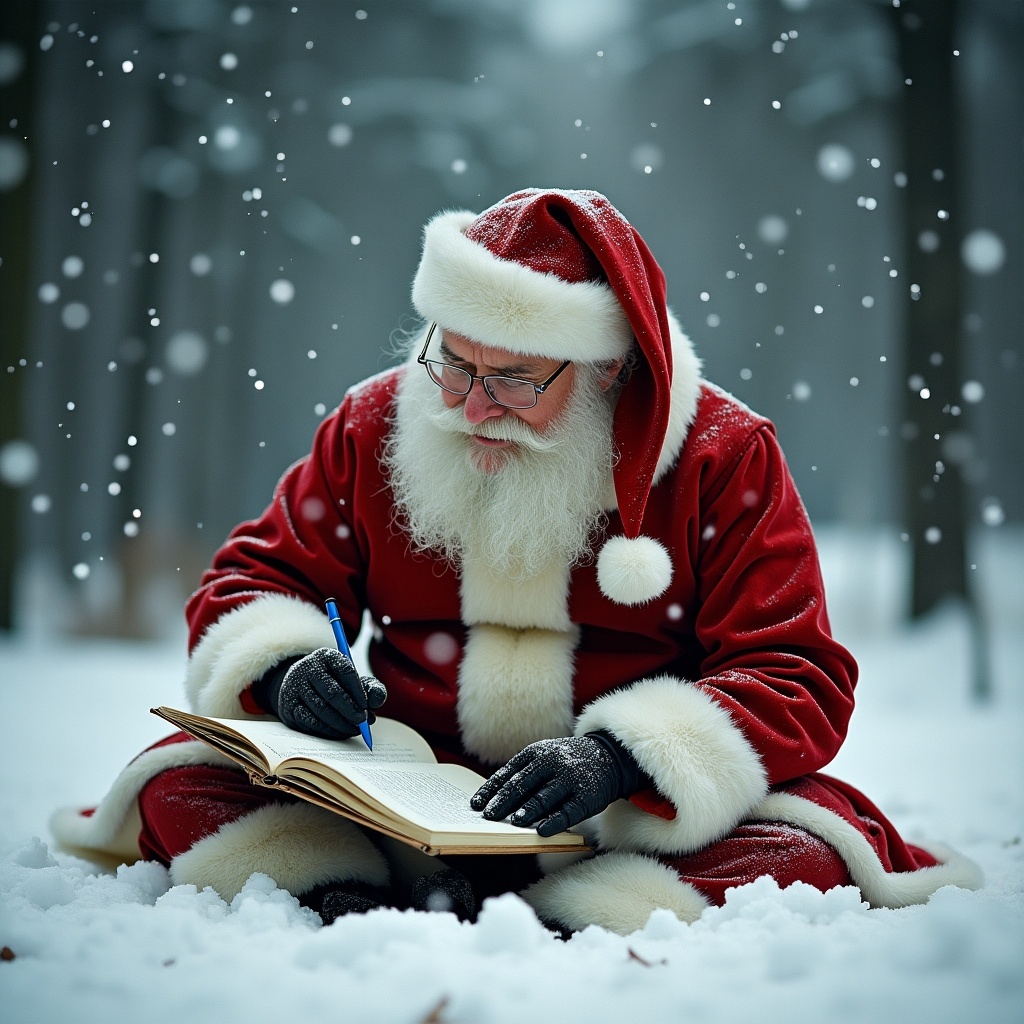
364,728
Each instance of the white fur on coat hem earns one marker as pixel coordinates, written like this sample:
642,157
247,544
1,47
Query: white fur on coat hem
698,758
298,845
617,891
880,888
111,831
515,687
243,644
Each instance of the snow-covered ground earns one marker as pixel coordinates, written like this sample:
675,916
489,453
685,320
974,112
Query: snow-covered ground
91,946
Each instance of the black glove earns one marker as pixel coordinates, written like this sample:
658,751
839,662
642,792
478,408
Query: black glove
555,784
446,890
321,694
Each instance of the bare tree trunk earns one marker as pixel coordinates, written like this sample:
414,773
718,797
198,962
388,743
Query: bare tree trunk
20,28
934,491
139,558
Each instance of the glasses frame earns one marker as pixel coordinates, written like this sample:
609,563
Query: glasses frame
538,389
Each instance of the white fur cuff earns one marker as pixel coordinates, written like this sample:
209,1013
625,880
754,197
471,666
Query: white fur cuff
617,891
298,845
243,644
696,755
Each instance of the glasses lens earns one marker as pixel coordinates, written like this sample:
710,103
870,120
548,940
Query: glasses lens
451,378
512,393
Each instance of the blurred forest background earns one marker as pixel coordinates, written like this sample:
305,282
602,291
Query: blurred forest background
210,214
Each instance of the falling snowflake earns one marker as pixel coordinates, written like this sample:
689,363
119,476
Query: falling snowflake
19,463
312,509
186,353
983,252
75,315
440,648
835,162
282,291
972,391
992,513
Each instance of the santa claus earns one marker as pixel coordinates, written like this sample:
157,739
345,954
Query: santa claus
590,577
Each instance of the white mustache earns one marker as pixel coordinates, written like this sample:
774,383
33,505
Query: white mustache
507,428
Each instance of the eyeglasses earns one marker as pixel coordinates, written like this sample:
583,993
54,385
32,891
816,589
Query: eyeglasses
511,392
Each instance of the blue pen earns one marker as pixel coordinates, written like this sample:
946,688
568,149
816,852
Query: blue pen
339,635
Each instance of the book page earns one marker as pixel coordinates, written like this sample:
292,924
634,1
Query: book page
435,797
393,743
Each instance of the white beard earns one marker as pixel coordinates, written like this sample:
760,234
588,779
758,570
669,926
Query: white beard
517,509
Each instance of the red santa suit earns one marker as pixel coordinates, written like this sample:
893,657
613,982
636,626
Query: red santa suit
712,663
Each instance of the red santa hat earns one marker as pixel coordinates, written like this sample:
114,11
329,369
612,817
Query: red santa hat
561,273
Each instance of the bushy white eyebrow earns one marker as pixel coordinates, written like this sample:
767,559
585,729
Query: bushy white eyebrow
513,370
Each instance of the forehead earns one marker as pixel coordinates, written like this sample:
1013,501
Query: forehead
471,351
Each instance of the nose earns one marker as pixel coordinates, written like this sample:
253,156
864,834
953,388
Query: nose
479,405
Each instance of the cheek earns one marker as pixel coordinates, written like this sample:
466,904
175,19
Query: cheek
538,417
450,400
549,405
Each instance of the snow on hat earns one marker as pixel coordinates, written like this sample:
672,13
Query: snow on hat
561,273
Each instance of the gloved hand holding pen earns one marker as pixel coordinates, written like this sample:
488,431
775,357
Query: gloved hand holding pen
320,694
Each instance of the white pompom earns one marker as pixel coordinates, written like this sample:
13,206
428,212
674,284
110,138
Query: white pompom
633,571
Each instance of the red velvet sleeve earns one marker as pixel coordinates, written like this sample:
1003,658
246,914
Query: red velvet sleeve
770,657
305,543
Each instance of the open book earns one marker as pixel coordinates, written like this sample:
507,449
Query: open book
398,789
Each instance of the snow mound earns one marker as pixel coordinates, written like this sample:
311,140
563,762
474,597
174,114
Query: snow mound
129,945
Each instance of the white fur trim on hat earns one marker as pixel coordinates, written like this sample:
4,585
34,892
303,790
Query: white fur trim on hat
880,888
298,845
243,644
698,758
684,396
633,570
497,302
515,687
617,891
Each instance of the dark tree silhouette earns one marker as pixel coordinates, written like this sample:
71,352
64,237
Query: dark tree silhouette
20,23
934,490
